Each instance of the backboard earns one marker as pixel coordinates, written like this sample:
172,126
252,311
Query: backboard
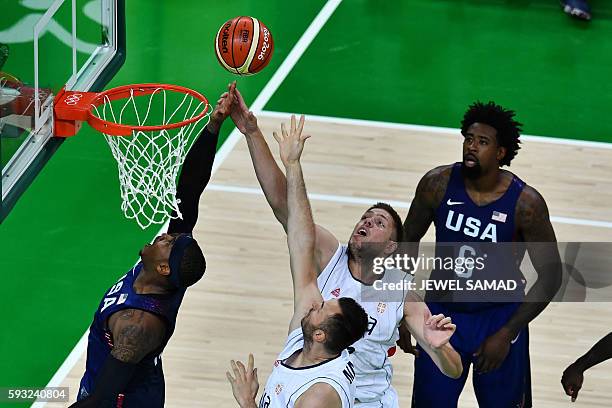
46,45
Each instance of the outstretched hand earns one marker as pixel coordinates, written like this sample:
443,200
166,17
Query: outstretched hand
244,383
437,329
291,143
222,109
243,118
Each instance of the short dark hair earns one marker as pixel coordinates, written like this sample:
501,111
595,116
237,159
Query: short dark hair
502,120
397,221
342,330
193,265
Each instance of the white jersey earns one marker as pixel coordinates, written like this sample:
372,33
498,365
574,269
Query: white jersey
286,384
385,310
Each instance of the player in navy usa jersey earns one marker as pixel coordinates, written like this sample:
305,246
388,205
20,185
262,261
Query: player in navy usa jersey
137,315
472,202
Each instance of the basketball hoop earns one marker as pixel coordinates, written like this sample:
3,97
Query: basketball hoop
149,156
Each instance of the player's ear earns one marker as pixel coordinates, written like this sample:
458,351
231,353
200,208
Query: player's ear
163,268
501,153
319,336
390,248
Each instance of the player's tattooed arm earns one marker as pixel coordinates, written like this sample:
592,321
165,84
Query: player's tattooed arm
136,333
428,196
535,228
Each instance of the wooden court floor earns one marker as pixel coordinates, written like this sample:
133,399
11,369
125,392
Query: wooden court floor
243,304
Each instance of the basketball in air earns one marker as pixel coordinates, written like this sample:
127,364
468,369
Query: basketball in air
244,45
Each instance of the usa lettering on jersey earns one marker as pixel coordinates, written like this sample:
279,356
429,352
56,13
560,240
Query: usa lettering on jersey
110,300
472,227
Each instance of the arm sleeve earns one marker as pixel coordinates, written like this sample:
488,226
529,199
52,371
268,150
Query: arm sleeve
194,177
114,377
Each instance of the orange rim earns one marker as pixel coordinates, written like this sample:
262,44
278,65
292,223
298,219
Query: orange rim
126,91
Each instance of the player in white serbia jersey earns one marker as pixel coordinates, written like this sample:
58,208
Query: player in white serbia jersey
370,355
314,369
347,271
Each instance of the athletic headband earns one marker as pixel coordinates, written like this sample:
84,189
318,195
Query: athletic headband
176,256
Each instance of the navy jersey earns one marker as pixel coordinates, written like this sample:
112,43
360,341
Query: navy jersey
464,229
147,385
459,220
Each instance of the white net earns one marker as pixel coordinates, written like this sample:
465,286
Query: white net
149,162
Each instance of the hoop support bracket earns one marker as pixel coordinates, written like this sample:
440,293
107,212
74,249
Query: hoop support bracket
71,109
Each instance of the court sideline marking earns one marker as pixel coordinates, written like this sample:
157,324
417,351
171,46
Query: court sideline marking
433,129
367,201
264,96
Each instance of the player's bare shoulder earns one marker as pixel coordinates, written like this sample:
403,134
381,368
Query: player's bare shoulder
432,186
319,395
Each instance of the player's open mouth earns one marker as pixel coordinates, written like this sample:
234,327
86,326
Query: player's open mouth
362,232
470,161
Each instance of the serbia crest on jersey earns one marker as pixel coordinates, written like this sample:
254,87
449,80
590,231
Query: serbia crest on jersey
100,342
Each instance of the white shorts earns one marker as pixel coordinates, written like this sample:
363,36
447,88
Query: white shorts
388,400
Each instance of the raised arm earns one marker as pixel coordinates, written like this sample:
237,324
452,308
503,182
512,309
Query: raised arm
300,225
270,177
197,167
136,333
273,181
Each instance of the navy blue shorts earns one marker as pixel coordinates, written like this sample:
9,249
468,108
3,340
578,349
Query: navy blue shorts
507,387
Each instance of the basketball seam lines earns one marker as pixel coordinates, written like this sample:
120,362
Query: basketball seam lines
232,37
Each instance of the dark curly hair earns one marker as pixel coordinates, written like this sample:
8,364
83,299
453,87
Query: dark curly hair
502,120
344,329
